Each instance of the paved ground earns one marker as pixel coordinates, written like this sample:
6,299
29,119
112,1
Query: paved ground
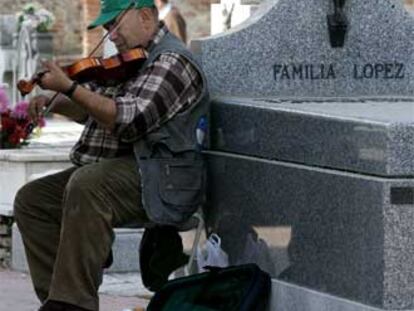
118,292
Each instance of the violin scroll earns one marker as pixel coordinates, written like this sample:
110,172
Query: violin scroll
25,87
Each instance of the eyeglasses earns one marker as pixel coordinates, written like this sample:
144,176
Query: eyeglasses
114,24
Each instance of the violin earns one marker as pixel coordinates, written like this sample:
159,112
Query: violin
119,67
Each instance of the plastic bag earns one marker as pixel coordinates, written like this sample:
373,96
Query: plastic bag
211,254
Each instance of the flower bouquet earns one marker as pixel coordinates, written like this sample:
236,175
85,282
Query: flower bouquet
15,123
36,17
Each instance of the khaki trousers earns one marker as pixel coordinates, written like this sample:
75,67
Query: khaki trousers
67,220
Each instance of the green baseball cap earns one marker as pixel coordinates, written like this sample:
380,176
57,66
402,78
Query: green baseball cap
110,9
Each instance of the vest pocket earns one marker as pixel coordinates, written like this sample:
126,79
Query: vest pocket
172,189
181,183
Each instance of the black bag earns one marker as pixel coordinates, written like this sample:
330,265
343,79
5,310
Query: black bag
236,288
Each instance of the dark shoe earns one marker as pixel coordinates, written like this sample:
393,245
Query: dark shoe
52,306
161,252
59,306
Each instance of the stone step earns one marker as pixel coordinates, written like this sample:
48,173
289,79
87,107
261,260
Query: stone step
4,229
125,251
290,297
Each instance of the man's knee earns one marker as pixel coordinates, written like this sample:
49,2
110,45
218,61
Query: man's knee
83,193
22,200
82,182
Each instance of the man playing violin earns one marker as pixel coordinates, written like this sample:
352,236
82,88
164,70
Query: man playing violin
138,159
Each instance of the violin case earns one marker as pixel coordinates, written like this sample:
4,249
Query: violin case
235,288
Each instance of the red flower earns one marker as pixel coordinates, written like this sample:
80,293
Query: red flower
14,139
7,123
17,136
14,129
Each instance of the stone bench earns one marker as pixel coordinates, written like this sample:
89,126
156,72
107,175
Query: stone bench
18,166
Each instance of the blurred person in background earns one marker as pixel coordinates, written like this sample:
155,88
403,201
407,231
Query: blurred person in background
172,19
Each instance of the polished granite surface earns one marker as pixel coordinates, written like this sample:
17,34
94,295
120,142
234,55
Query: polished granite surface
360,135
312,159
284,50
346,234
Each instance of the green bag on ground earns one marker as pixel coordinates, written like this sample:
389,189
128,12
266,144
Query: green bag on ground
236,288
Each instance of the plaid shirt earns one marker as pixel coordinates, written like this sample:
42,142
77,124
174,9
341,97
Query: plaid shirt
167,86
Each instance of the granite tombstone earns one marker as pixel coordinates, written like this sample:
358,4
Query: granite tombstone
312,157
285,51
8,26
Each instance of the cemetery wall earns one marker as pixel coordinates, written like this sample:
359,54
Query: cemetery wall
68,29
72,18
5,240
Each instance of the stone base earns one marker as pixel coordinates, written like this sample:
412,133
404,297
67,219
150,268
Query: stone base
125,251
336,232
318,193
289,297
